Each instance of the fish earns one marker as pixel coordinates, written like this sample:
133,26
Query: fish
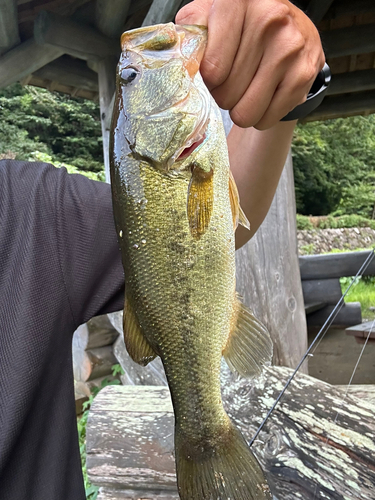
176,208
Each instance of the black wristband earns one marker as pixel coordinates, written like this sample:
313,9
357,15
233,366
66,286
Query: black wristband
314,97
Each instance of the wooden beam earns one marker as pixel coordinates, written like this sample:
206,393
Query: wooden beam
348,41
72,38
350,314
70,72
321,290
313,446
334,265
161,11
355,81
9,36
25,59
317,9
350,7
110,16
344,105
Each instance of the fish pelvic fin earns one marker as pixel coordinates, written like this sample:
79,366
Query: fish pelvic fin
238,214
228,470
136,343
200,201
249,347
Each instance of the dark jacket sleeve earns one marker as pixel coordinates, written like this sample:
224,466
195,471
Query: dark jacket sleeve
89,253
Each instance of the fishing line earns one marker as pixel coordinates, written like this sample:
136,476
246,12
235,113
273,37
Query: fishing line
324,329
347,388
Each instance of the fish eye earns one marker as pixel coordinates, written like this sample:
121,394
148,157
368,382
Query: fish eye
129,74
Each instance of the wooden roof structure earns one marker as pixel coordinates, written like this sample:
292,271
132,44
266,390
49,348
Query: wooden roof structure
57,44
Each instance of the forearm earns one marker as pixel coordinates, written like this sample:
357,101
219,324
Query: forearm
257,159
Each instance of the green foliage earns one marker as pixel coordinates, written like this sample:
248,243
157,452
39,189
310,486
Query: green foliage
334,166
330,222
91,490
64,127
363,291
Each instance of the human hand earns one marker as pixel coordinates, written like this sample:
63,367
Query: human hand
261,59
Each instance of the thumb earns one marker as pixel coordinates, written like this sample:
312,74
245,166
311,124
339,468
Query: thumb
196,12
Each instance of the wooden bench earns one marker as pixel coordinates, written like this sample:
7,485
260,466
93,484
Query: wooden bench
314,446
320,275
361,332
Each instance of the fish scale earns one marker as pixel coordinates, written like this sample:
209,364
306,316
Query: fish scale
175,219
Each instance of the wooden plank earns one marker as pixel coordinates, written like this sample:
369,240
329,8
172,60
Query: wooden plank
348,7
9,36
268,275
25,59
365,391
349,314
73,38
93,363
69,71
327,291
348,41
334,265
161,11
313,306
110,16
344,105
355,81
313,446
317,9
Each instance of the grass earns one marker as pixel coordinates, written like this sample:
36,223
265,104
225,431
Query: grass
362,291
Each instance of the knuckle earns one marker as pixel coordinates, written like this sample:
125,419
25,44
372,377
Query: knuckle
239,118
213,71
279,14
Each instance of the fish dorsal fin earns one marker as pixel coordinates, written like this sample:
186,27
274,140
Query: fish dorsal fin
200,201
249,346
136,343
237,212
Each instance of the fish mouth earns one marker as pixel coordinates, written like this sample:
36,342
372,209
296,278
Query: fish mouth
187,151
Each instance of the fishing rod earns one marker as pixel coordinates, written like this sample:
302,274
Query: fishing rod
324,329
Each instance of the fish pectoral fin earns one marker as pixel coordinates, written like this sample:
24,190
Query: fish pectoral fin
237,213
136,343
200,201
249,347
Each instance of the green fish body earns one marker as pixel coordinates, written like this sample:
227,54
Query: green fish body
176,208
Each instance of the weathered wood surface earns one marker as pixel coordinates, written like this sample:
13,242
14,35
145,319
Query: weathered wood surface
356,81
161,11
334,265
268,275
363,332
73,38
110,16
343,105
93,363
349,41
362,391
9,36
349,314
315,446
71,72
25,59
107,84
328,291
317,9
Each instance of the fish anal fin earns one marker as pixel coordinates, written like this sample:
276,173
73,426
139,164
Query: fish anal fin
200,201
136,343
237,212
249,346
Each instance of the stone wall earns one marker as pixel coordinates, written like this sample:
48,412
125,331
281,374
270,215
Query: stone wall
324,240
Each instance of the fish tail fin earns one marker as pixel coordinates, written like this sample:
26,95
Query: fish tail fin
228,470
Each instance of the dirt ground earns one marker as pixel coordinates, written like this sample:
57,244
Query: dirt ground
336,356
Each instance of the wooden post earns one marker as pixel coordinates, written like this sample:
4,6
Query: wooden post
107,84
268,275
9,36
